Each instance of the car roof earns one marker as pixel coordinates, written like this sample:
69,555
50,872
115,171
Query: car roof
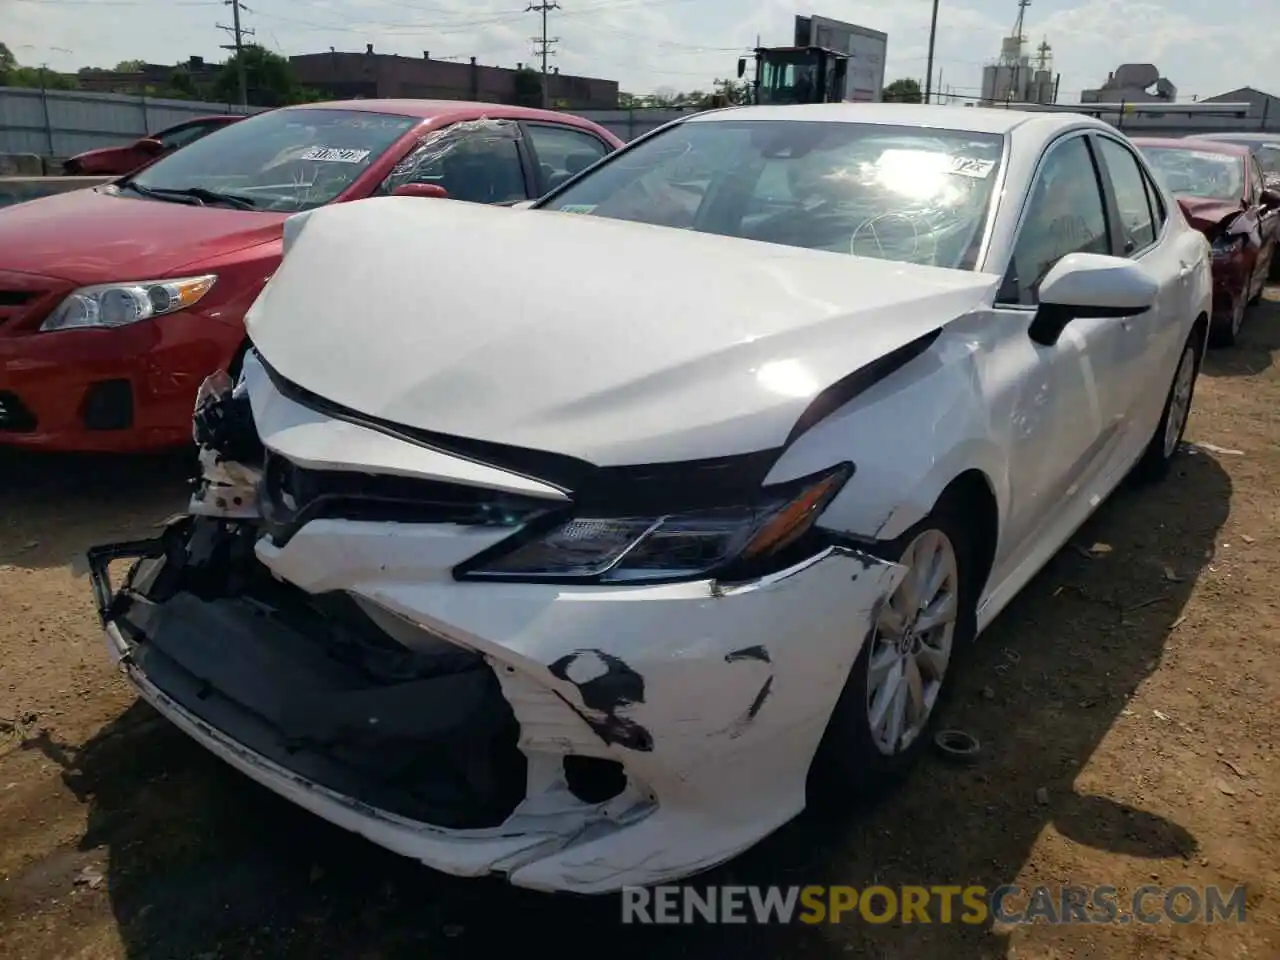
434,109
1189,143
974,119
1237,137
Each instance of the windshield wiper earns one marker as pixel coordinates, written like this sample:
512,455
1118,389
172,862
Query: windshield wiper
198,195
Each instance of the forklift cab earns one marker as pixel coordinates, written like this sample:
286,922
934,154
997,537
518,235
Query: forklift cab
786,75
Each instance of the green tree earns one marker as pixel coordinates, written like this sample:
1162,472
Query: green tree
905,90
269,78
130,66
12,74
729,93
528,87
181,86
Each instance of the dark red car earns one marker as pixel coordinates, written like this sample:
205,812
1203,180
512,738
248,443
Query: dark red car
116,302
117,161
1221,191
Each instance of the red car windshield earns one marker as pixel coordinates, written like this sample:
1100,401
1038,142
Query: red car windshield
283,160
1198,173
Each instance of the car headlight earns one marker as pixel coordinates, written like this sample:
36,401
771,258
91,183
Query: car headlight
601,549
1226,244
118,304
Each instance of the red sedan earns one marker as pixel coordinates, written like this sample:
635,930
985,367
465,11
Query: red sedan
117,302
117,161
1221,191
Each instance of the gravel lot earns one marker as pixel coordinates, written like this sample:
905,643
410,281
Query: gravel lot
1127,702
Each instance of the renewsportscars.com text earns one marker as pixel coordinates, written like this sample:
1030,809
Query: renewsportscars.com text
1069,904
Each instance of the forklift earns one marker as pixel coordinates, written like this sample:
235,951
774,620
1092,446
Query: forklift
786,75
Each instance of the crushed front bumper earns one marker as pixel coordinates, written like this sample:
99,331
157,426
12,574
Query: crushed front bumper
710,698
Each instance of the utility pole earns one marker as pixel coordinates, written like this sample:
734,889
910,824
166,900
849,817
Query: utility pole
544,43
933,33
238,33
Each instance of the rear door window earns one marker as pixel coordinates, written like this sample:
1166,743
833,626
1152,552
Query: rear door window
563,152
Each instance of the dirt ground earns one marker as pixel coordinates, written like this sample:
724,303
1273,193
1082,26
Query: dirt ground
1128,706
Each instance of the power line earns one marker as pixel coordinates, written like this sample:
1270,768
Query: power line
238,33
544,44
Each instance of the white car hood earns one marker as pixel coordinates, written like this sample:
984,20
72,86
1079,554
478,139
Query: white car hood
614,342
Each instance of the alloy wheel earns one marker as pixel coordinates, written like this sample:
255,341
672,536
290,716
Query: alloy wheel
911,646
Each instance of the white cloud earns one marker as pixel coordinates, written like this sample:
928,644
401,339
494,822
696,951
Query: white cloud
1204,46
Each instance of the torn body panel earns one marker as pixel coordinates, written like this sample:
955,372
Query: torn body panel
704,699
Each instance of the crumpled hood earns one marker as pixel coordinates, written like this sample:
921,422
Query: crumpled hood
1205,213
91,236
610,341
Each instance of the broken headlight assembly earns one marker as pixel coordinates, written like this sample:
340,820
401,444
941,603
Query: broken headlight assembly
728,543
1226,244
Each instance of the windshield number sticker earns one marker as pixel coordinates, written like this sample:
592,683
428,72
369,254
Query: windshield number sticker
577,208
1205,155
335,155
972,167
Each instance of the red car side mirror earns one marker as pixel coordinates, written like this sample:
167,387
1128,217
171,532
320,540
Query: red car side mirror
432,190
149,146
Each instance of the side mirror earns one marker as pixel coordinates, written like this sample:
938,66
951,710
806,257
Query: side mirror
1269,199
742,67
433,190
149,146
1090,285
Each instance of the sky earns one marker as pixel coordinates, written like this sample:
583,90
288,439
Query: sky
1204,47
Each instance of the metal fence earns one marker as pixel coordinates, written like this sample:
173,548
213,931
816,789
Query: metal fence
62,123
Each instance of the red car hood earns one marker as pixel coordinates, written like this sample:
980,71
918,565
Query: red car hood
90,236
1204,213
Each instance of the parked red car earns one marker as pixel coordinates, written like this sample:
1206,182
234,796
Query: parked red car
117,161
116,302
1221,191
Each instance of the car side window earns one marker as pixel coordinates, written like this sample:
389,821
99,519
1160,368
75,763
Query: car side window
180,138
478,164
563,152
1065,214
1137,224
1255,179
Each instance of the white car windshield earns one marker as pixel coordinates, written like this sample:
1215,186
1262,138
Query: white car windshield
1197,173
282,160
909,194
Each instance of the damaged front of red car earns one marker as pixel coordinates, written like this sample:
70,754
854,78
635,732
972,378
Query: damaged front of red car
1221,192
1235,239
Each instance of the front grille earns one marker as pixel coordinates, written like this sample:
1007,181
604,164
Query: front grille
14,415
14,303
293,496
28,298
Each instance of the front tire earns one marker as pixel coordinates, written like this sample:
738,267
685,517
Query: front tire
1163,447
1225,335
891,698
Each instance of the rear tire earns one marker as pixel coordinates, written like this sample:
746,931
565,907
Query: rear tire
897,671
1163,447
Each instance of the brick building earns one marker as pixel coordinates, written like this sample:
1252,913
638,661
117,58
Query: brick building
151,75
369,74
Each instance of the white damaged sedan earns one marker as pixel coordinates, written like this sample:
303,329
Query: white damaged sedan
581,544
